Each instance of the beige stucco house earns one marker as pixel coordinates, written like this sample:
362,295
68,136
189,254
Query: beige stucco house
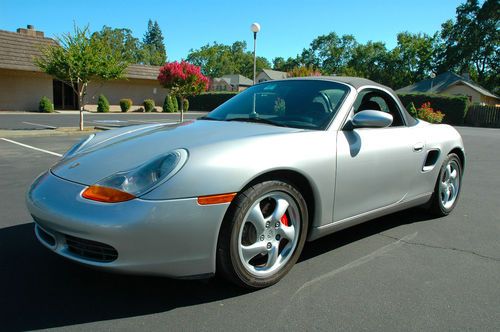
269,75
22,84
233,82
452,84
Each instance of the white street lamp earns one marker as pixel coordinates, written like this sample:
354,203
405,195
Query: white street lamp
433,75
255,27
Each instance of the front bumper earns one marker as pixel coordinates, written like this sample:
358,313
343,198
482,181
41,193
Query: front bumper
176,238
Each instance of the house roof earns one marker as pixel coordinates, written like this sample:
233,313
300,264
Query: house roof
275,74
18,50
238,80
442,82
225,80
144,72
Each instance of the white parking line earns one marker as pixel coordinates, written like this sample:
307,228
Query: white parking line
31,147
40,125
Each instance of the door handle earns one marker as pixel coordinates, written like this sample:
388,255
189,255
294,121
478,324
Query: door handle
418,147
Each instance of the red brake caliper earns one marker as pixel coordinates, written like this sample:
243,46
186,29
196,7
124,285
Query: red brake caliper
284,220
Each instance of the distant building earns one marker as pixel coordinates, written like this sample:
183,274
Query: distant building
22,83
452,84
230,83
270,75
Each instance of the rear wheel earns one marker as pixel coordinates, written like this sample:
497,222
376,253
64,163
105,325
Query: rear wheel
262,235
447,187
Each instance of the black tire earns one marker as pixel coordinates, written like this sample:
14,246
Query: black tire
436,206
229,263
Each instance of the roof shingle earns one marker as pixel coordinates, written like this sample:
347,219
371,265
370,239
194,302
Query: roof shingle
17,52
442,82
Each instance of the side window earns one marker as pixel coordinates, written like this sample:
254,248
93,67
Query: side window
373,99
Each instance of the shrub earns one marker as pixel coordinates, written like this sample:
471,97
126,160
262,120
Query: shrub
185,104
149,105
175,103
454,108
209,101
412,109
427,113
168,105
102,104
125,104
303,71
45,105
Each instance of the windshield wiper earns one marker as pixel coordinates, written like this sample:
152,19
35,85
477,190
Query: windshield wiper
257,120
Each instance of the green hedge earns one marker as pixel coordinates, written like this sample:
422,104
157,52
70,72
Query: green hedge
149,105
45,105
454,108
209,101
125,104
102,104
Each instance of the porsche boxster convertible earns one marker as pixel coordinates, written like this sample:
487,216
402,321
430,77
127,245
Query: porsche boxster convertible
239,191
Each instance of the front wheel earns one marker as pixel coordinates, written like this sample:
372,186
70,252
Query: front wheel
262,235
447,187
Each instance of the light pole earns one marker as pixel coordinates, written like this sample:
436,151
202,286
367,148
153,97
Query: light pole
255,27
433,75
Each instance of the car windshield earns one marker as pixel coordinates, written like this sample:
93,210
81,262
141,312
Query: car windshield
307,104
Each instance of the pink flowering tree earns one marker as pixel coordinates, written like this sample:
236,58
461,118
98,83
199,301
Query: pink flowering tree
182,79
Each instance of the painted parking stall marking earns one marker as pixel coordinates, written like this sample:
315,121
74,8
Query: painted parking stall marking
31,147
39,124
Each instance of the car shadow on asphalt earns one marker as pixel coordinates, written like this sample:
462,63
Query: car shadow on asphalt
39,289
358,232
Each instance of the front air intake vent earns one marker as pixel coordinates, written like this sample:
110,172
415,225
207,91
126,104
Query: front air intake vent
91,250
49,239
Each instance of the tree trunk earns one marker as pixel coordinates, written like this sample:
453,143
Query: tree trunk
182,109
81,93
80,97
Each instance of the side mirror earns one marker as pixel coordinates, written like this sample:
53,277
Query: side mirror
371,119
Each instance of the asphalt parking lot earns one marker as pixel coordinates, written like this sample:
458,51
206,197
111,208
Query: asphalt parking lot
403,272
27,120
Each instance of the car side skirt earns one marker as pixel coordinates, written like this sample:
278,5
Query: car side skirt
333,227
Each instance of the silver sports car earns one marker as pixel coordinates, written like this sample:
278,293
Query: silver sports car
240,190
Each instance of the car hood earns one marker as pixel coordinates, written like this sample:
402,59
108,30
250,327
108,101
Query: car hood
129,149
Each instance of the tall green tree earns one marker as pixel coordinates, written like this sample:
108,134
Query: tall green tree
153,47
471,42
287,65
369,60
217,59
79,59
414,56
330,53
122,41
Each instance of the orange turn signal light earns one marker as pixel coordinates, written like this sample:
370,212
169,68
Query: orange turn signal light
216,199
106,194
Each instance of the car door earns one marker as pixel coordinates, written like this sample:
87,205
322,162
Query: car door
375,166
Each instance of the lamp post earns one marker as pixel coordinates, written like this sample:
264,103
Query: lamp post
433,75
255,27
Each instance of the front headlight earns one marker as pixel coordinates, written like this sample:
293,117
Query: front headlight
126,185
78,146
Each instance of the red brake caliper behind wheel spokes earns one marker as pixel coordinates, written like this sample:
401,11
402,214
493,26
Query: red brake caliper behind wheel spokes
284,220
